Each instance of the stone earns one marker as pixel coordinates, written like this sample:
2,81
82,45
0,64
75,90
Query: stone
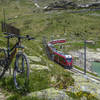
85,84
34,58
39,67
84,88
98,49
51,94
83,98
53,79
16,16
51,65
98,91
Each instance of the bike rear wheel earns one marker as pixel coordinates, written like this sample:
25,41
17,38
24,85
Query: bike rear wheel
21,71
2,62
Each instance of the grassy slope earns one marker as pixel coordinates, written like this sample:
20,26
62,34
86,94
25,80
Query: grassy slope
48,24
33,24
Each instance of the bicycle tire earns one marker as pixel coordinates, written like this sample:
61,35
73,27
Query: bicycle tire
21,72
3,62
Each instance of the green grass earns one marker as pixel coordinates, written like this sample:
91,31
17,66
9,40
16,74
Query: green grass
39,80
80,94
50,24
18,97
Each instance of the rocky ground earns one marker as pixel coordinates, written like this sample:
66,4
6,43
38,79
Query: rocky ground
69,4
2,96
82,84
86,84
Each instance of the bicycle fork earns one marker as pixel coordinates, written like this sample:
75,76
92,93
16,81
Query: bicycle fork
11,58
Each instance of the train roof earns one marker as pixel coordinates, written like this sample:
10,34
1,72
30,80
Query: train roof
57,41
61,53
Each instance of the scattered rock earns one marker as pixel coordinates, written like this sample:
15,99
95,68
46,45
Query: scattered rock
51,94
83,98
39,67
58,36
98,49
67,4
53,79
62,4
37,5
98,91
95,14
2,96
16,17
34,58
84,88
85,84
51,65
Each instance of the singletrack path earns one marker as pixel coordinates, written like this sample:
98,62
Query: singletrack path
2,96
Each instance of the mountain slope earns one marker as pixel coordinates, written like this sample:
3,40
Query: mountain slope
24,15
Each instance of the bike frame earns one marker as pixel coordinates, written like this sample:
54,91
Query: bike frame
12,52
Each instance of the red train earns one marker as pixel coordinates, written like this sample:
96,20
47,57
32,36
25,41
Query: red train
59,57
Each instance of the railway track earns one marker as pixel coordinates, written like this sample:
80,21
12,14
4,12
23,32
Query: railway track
74,70
87,76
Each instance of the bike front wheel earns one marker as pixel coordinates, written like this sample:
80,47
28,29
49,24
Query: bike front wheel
21,71
2,62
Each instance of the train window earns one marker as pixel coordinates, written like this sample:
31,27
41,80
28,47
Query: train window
69,59
56,56
64,60
60,59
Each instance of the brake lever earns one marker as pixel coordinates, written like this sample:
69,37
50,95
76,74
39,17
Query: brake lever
29,38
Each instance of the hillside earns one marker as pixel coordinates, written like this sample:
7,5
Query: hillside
46,74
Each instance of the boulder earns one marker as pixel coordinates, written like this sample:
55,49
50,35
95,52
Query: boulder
34,58
51,94
39,67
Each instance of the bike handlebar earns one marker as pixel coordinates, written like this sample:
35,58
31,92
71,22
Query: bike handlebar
18,36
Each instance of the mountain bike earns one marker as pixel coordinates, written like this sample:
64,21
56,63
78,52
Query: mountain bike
21,68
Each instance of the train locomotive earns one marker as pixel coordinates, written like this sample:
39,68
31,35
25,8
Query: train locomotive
58,56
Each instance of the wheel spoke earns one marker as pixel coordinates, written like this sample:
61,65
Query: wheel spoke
2,62
21,71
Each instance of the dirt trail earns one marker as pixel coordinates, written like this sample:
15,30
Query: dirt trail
2,96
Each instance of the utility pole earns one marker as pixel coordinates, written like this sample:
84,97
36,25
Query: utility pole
4,20
4,14
85,57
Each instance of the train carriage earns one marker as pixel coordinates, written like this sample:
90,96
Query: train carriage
65,60
58,56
